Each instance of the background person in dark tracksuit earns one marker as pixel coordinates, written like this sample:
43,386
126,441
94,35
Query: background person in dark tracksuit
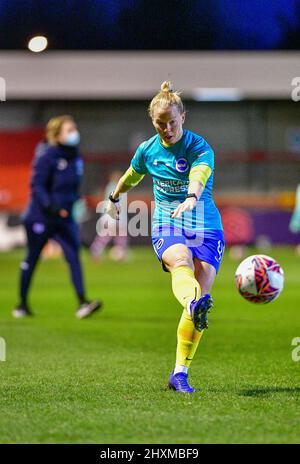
55,182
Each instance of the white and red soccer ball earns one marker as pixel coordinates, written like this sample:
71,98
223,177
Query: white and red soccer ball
259,279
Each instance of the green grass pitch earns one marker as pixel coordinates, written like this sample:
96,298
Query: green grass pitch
102,380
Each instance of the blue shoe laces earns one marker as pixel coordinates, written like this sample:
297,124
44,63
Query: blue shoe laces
181,377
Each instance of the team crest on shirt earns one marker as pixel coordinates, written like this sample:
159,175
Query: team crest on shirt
181,165
62,164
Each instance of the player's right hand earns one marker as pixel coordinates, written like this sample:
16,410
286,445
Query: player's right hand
113,210
55,211
63,213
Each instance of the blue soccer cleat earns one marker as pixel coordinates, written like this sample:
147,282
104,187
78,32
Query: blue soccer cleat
199,310
179,383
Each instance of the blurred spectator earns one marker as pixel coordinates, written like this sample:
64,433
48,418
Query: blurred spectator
55,183
294,225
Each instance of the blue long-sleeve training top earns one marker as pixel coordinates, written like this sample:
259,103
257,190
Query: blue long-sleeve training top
55,182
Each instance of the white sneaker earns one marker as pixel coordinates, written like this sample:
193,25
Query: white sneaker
88,308
21,311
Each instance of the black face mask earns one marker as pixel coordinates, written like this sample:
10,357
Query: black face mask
68,152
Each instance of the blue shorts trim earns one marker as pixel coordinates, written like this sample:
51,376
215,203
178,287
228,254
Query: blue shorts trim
206,245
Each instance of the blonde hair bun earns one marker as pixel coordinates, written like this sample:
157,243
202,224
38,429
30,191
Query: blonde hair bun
166,97
166,86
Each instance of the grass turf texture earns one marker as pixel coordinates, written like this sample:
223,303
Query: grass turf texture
102,380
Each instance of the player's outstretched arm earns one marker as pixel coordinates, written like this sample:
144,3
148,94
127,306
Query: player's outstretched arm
130,179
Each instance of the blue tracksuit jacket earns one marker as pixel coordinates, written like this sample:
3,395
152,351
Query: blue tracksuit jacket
55,181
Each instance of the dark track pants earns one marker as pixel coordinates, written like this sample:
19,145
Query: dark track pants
66,233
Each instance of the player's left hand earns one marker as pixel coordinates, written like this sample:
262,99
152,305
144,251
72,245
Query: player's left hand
187,205
113,210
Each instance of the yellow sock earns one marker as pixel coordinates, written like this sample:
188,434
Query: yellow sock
186,288
184,285
188,339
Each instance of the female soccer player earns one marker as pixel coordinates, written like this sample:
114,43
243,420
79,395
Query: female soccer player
187,232
57,171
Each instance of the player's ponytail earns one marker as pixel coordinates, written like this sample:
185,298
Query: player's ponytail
166,97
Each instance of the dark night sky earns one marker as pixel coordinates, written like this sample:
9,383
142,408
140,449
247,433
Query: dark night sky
152,24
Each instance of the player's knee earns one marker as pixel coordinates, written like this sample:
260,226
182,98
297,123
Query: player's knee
178,260
182,261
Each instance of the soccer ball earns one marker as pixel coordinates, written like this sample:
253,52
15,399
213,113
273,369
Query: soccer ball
259,279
